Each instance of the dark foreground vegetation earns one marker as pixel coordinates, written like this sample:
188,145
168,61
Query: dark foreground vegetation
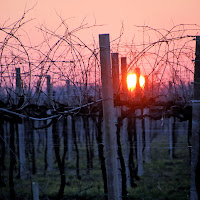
166,175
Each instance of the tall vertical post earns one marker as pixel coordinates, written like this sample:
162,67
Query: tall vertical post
18,84
18,81
195,162
146,87
35,191
197,70
22,155
36,136
147,137
124,75
139,131
68,91
124,141
138,91
115,73
170,92
195,158
69,137
49,145
115,78
123,81
170,133
95,77
108,119
68,88
49,89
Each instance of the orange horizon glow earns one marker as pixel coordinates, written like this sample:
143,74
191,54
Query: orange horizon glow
47,23
132,81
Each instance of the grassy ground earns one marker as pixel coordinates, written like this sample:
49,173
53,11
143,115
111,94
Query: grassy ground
164,178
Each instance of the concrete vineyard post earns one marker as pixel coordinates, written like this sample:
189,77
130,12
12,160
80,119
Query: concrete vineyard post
108,119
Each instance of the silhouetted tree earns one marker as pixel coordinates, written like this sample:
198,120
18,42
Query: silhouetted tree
60,160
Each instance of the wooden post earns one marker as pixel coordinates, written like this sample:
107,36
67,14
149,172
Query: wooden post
115,78
195,162
68,87
49,145
124,76
18,81
146,87
147,137
70,139
137,89
195,150
170,92
140,171
117,109
170,133
36,136
108,119
126,148
68,91
49,89
95,76
80,129
115,73
18,84
22,155
35,191
197,70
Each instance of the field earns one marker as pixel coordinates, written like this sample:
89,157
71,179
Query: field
166,173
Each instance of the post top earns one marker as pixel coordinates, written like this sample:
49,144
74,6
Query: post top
104,34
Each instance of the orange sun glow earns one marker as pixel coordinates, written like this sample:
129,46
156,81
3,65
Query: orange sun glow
132,81
142,81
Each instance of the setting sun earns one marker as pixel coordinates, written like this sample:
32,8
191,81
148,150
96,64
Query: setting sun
131,81
142,81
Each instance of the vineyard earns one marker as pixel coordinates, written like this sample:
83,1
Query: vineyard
66,134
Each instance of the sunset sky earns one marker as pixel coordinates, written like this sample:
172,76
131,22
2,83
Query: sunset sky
110,14
158,14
